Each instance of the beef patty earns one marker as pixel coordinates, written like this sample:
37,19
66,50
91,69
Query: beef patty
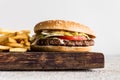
60,42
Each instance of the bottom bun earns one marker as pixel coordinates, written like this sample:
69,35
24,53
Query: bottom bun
60,48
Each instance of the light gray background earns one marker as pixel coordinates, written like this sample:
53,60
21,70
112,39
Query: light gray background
103,16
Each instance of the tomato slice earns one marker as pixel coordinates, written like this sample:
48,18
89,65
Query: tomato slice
73,37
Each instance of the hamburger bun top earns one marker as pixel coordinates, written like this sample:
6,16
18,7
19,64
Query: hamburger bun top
63,25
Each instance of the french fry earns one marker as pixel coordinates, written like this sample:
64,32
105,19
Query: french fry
27,47
27,43
10,34
14,41
4,47
17,49
22,42
15,45
11,40
3,40
20,36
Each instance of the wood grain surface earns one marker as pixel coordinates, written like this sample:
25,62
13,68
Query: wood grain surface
51,60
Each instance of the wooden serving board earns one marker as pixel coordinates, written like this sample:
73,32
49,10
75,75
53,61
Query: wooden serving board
51,60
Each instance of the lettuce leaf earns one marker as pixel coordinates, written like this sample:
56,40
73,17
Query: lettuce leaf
46,33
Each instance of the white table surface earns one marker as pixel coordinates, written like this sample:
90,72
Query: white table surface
110,72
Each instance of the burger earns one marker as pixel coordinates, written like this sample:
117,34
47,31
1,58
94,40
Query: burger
62,36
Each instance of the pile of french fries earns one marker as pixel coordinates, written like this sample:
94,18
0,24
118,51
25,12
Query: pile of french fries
14,41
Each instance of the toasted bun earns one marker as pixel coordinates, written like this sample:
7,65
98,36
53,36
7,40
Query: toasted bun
63,25
60,48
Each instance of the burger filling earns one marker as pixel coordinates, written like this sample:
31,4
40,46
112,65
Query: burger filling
62,38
